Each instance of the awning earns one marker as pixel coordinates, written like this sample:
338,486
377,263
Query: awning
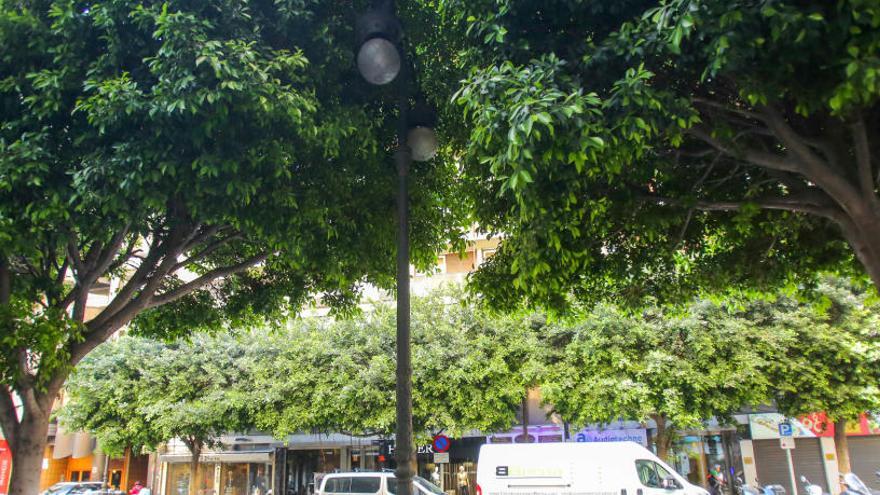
83,445
63,444
258,457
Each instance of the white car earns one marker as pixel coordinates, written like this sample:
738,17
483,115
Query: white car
72,488
375,483
624,468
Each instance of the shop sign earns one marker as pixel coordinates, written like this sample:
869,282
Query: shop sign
638,435
5,467
538,434
767,425
441,458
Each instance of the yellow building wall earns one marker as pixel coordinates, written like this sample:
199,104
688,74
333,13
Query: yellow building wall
54,470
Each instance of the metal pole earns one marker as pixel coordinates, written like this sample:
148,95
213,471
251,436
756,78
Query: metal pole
791,472
404,449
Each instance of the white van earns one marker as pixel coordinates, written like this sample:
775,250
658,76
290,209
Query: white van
592,468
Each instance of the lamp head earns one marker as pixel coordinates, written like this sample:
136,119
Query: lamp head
378,33
422,138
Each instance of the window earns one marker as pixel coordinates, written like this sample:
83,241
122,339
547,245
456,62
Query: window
364,484
664,475
647,474
427,486
422,486
337,485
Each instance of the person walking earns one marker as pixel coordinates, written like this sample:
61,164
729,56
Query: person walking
462,481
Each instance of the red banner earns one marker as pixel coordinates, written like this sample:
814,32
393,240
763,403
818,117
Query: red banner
5,467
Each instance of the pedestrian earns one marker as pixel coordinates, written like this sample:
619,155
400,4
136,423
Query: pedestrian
462,482
136,488
716,480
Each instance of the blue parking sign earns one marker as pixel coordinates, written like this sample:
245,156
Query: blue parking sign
785,429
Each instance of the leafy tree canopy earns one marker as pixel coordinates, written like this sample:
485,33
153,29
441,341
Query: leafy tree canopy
831,360
138,392
677,369
471,370
655,148
222,160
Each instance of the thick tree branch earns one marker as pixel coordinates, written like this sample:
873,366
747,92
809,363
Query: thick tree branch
204,253
792,203
137,279
863,159
831,181
206,279
706,102
756,157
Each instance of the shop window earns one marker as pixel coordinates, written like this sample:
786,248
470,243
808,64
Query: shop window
178,479
74,476
259,478
234,479
85,475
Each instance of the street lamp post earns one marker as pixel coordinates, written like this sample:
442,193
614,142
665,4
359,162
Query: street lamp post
380,60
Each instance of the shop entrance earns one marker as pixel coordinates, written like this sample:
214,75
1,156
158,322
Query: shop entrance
305,467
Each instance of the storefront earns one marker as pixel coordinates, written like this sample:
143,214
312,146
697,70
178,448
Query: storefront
219,473
814,455
695,453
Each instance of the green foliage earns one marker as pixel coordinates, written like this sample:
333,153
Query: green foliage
143,140
804,351
612,142
831,356
136,392
471,370
706,362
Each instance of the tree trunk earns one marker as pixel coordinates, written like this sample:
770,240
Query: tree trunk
525,418
662,437
28,448
195,449
841,447
864,238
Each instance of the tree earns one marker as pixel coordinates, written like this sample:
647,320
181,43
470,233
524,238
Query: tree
221,160
138,393
655,148
470,370
676,369
831,358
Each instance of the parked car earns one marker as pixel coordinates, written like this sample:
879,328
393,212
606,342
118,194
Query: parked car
624,468
73,488
375,483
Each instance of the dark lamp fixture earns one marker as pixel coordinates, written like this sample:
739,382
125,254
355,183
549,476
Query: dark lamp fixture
378,32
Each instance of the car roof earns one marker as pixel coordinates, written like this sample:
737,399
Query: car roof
359,473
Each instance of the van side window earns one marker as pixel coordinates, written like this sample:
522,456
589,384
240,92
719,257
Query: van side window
648,474
663,474
365,484
338,485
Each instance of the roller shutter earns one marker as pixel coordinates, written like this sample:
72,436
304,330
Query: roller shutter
864,457
772,465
